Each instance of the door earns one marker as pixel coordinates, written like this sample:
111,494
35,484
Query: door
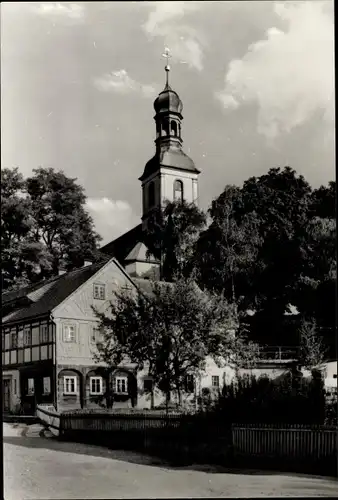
6,394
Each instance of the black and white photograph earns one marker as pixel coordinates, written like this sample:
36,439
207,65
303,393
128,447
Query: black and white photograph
168,249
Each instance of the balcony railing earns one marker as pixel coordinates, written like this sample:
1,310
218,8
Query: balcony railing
278,353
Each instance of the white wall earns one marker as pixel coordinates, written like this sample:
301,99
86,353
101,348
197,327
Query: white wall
76,310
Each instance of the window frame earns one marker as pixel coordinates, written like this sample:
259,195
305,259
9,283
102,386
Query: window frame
99,287
27,330
43,334
215,378
91,380
43,385
178,182
11,344
121,378
67,392
64,337
30,390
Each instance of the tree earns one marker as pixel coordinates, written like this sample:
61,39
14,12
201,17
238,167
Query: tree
61,221
44,226
171,233
226,252
170,332
312,350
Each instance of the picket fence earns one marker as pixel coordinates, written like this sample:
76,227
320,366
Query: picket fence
288,442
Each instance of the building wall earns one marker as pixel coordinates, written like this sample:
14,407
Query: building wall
190,183
14,377
77,311
138,269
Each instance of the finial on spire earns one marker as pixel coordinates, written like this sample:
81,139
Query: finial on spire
167,55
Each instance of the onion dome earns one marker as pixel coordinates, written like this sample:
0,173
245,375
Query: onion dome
168,101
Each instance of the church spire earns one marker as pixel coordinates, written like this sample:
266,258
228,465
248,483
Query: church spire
167,55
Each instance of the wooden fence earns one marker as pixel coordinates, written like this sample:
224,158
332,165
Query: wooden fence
288,444
48,416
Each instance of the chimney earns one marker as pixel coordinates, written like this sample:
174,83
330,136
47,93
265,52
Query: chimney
87,262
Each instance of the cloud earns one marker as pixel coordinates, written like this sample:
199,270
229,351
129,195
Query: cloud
167,20
73,11
111,217
289,74
120,81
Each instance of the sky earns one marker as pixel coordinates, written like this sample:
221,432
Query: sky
78,82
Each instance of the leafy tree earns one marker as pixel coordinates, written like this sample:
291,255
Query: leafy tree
323,201
170,236
16,224
170,332
44,225
312,350
226,252
61,221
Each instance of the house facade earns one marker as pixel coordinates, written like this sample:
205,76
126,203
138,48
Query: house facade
49,339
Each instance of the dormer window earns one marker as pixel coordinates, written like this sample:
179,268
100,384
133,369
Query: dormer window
178,190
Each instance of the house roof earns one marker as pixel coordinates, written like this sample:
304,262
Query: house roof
146,286
123,245
46,295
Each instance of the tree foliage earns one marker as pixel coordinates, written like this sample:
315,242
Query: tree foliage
44,225
170,236
170,332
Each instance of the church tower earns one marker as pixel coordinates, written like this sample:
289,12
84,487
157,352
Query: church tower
170,174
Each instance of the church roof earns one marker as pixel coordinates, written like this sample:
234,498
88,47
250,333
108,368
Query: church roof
171,157
139,253
168,101
124,244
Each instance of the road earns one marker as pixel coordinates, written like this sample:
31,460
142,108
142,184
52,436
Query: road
40,467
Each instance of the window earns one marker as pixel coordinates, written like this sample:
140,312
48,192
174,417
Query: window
151,194
189,383
334,375
215,381
121,385
13,340
46,385
96,385
43,334
27,336
148,385
69,333
174,128
178,190
20,338
69,385
165,127
100,292
30,391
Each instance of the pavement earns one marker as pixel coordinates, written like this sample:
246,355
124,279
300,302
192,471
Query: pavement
36,465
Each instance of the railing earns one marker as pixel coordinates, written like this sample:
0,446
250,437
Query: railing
287,443
279,353
48,416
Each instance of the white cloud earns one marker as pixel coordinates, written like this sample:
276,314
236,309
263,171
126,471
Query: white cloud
119,81
167,20
290,74
73,11
111,217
